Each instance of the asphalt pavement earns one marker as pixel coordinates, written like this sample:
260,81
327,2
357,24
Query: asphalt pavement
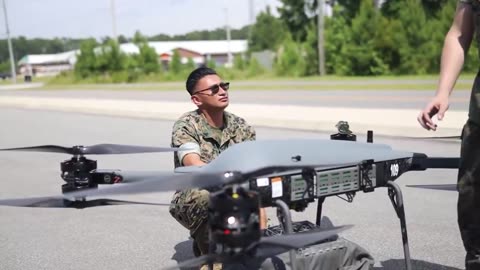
146,237
388,99
389,113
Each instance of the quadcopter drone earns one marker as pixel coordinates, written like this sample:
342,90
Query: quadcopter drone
287,174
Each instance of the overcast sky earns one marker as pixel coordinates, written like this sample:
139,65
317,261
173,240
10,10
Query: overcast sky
92,18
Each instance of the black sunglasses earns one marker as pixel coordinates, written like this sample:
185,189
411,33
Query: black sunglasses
215,88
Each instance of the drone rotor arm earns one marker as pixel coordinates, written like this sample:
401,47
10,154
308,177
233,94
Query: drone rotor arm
155,182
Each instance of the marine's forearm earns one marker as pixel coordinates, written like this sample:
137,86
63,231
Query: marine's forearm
452,60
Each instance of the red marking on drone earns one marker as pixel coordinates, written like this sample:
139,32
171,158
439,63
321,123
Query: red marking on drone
117,179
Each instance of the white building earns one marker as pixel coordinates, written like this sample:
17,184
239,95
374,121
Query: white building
47,64
200,52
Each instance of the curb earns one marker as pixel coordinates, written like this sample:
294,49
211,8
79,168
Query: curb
387,122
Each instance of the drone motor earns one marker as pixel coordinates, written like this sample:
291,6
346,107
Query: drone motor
234,219
76,173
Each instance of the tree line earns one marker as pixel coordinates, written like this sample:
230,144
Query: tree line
23,46
361,38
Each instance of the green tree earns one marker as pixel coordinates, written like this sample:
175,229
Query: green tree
416,49
176,63
122,39
356,48
86,64
337,40
254,68
238,62
111,59
290,60
347,8
310,47
296,15
363,53
267,32
391,8
211,63
147,59
190,65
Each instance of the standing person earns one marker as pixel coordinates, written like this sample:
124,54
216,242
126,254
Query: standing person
457,42
206,132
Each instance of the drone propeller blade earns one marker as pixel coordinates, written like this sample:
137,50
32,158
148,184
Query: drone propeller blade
195,262
60,202
448,187
270,246
42,148
99,149
106,149
48,202
435,138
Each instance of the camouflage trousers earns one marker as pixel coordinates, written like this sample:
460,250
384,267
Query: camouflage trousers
468,206
190,208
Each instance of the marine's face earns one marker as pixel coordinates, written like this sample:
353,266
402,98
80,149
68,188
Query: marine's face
211,93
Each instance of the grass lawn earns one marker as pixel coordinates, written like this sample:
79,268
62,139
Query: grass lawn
409,82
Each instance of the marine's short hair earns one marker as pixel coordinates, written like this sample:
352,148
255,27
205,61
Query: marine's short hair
196,75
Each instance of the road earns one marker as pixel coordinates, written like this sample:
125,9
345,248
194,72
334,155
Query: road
396,99
146,237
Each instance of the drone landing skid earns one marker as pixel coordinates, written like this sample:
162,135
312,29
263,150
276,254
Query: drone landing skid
396,197
285,219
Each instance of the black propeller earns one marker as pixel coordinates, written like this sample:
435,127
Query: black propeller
436,138
98,149
267,247
68,201
59,202
447,187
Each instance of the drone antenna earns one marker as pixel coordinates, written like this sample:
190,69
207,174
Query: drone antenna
370,136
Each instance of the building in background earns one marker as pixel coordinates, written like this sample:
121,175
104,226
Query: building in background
200,51
40,65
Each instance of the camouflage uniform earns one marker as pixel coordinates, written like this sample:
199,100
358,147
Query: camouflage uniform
468,206
189,207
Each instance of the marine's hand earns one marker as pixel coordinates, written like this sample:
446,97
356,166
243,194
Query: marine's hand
437,106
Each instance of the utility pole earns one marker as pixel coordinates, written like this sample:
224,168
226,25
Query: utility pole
10,50
227,28
251,16
321,45
114,20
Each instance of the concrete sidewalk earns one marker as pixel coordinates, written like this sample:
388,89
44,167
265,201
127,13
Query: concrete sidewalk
19,86
390,122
